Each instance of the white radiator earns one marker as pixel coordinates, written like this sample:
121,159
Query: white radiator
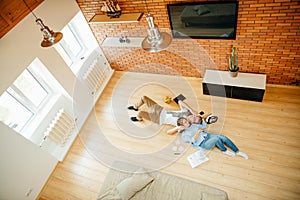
60,128
94,75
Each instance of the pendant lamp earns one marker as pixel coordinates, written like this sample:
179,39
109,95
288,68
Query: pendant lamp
50,37
155,41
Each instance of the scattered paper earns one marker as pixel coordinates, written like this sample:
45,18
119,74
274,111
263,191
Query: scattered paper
197,158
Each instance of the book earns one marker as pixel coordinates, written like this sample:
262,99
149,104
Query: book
197,158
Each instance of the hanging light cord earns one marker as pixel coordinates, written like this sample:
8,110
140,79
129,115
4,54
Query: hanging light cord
50,37
146,6
30,9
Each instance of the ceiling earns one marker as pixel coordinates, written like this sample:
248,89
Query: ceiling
13,11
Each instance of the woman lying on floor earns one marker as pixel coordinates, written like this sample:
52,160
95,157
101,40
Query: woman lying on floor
196,135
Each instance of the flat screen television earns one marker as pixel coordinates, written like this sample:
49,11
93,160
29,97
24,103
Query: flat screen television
207,20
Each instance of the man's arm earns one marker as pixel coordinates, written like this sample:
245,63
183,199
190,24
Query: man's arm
183,105
204,116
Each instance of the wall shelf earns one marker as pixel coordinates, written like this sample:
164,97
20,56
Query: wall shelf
124,18
115,42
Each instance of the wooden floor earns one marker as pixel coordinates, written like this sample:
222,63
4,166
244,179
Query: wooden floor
269,132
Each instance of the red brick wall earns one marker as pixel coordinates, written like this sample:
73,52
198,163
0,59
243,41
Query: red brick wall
267,39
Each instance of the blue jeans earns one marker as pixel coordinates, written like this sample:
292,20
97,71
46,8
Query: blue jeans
218,140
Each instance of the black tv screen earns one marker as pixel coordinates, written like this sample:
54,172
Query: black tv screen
207,20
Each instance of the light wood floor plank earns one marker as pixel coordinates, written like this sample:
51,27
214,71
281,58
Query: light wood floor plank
267,131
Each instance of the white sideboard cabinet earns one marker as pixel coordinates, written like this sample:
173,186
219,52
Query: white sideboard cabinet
246,86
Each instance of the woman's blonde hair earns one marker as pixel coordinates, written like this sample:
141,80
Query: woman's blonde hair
180,121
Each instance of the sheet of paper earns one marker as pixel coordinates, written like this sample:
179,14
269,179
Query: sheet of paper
197,158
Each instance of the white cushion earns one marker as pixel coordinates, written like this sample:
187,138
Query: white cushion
128,187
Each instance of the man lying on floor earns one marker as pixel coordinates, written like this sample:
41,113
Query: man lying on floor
159,115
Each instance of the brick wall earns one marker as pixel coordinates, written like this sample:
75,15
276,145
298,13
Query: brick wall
268,41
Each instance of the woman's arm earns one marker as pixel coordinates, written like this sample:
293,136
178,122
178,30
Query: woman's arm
198,133
174,130
186,137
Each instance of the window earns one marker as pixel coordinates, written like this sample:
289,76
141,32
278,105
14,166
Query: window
13,113
77,43
22,100
70,47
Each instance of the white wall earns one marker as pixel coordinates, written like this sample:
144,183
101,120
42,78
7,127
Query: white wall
23,164
21,45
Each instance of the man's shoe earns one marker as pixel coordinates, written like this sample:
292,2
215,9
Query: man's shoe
132,108
134,119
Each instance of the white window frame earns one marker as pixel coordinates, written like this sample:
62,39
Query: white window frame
19,96
63,47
